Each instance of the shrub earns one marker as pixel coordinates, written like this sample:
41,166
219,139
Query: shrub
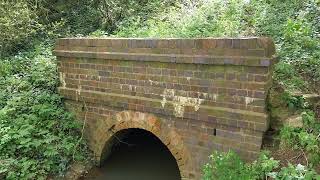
229,166
116,12
201,19
18,22
225,166
287,76
305,139
78,17
298,172
38,136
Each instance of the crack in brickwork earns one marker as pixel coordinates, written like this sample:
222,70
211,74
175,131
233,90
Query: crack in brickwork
195,95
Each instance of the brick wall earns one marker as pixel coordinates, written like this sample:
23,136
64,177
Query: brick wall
210,92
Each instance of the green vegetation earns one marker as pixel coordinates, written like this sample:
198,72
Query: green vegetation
193,19
304,138
228,166
38,137
294,26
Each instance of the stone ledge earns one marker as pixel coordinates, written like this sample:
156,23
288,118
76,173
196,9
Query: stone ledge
199,43
170,58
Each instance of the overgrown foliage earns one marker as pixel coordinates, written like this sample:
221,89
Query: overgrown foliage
224,166
17,23
197,19
117,13
38,136
306,138
76,17
28,22
229,166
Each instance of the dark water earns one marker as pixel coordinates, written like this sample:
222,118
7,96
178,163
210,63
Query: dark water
140,156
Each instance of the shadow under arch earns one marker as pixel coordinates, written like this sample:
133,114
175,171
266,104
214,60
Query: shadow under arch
138,154
126,120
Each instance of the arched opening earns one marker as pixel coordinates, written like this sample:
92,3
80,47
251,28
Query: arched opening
136,154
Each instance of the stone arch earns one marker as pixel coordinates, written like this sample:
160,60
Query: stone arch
148,122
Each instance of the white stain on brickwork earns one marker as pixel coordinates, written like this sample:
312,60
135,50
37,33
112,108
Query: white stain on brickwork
153,82
63,79
132,88
180,102
212,96
249,100
163,102
78,92
167,93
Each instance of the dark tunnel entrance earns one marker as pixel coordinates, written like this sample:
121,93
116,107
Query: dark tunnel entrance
136,154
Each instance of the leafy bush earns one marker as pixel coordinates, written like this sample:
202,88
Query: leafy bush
117,12
298,44
17,22
76,17
228,166
38,136
298,172
225,166
201,19
294,103
305,138
287,76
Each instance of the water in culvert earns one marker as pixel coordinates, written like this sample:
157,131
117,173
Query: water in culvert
138,155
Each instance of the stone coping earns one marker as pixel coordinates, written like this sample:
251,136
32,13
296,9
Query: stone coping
233,47
170,58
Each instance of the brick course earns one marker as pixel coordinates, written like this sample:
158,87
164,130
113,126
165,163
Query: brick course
196,95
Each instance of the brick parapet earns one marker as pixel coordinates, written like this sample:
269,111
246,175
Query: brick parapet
211,92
